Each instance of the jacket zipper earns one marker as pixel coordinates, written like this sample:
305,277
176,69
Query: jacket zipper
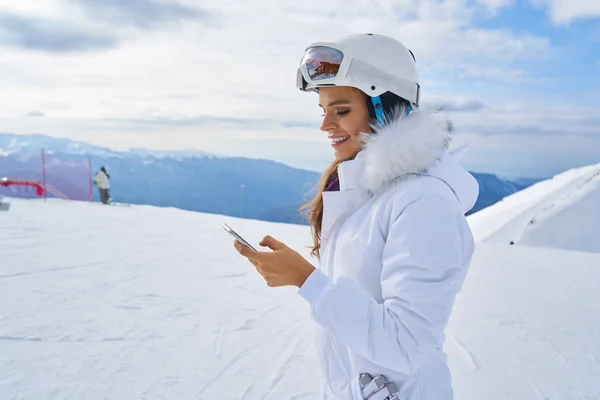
333,236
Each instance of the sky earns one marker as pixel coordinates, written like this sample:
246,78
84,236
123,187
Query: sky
520,79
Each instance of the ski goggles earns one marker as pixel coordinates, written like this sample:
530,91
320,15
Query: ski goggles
321,65
325,64
322,62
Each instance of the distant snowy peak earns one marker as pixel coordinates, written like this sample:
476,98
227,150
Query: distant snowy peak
31,145
177,154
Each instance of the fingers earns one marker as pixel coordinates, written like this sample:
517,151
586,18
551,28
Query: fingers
247,252
260,260
272,243
243,250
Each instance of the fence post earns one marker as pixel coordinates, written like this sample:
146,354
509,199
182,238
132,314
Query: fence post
90,178
44,173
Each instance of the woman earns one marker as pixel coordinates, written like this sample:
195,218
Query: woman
388,227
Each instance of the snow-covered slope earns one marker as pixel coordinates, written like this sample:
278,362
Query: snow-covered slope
563,213
141,302
526,325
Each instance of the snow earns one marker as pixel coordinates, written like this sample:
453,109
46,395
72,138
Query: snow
176,154
562,212
143,302
526,325
139,302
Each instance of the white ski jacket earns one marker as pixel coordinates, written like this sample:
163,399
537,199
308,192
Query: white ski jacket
102,180
395,249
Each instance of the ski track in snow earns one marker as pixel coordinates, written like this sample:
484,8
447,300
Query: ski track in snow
230,364
291,353
467,355
306,395
80,340
537,392
558,353
269,311
566,197
217,345
230,276
247,392
248,324
45,271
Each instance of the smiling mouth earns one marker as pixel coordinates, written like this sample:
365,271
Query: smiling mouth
337,141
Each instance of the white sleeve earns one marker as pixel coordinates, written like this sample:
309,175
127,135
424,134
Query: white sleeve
421,275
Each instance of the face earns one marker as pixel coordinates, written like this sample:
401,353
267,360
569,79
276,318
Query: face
345,116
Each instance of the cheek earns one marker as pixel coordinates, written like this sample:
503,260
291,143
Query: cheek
356,124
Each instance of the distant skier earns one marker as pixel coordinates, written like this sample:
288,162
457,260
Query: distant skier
102,179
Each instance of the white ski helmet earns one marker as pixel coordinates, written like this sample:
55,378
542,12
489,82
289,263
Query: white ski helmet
375,64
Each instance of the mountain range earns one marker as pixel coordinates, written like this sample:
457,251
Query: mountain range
191,180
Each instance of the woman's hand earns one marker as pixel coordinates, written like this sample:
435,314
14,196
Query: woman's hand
281,267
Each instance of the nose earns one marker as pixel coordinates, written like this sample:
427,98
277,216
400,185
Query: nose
329,122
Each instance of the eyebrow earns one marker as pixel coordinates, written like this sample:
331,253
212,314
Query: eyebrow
337,103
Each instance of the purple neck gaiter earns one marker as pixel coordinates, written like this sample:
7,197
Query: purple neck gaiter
334,183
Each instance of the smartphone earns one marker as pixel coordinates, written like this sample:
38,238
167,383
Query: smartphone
237,237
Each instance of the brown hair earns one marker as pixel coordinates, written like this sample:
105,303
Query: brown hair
313,210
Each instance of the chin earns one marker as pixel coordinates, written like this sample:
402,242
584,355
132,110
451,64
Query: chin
346,152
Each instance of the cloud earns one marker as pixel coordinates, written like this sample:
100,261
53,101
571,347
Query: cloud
145,14
563,12
49,35
84,27
221,86
524,130
35,114
454,104
539,123
211,121
496,5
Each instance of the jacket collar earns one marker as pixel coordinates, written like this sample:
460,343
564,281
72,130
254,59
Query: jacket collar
403,146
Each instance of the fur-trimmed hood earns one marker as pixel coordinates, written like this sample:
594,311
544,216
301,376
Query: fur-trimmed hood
416,144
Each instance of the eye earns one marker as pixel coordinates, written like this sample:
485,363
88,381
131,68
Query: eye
341,113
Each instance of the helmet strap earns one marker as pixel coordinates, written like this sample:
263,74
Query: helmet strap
383,106
378,109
